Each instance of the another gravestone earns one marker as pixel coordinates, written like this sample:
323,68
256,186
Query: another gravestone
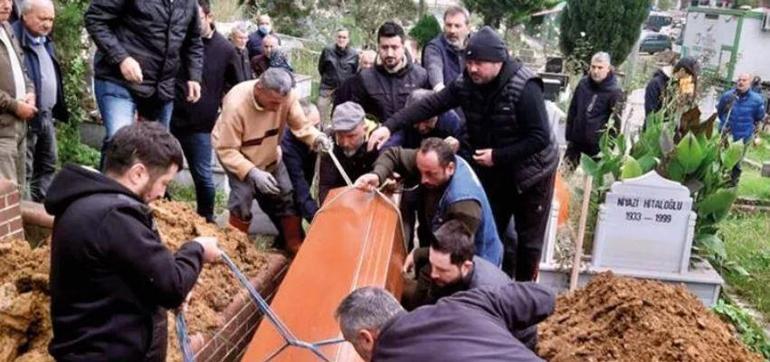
645,223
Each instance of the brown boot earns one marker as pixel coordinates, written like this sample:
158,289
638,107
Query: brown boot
291,229
239,224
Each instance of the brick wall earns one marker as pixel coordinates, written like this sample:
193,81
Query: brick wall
11,225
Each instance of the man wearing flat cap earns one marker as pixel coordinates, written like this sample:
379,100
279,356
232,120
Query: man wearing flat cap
350,129
514,154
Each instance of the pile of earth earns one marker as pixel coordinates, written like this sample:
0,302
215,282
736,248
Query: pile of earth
25,327
621,319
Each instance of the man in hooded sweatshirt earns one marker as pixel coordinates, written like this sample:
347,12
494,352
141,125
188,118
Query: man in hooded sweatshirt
111,276
597,98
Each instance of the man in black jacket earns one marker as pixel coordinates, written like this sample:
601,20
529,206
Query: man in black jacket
192,123
141,45
300,162
657,91
475,325
337,63
111,276
239,37
597,98
515,156
382,90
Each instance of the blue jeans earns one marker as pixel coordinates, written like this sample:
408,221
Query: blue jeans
197,151
119,109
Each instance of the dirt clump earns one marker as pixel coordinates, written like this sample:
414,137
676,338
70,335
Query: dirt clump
622,319
25,326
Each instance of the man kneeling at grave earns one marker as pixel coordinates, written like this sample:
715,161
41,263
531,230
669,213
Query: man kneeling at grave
449,266
450,191
246,137
475,325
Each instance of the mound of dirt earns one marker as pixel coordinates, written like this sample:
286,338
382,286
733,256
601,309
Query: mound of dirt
25,326
621,319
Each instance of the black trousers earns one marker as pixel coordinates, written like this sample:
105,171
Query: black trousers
530,210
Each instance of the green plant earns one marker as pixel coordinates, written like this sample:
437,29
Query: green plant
72,52
425,30
750,333
680,148
506,12
605,25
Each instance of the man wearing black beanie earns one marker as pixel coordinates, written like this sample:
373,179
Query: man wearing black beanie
515,156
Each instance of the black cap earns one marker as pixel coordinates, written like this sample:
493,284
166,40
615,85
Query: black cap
486,45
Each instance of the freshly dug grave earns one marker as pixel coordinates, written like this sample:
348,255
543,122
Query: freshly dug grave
621,319
217,286
25,326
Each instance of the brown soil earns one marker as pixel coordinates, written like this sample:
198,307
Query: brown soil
621,319
25,327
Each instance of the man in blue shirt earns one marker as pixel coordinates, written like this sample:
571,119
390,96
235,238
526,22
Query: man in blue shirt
740,110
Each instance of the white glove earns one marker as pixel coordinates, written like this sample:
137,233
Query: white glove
323,143
263,181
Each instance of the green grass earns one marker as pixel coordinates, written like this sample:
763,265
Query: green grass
182,193
761,152
750,332
753,185
747,243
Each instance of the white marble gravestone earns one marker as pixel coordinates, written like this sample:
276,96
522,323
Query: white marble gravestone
645,223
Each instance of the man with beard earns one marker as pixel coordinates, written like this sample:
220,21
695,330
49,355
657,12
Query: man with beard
450,191
443,57
449,266
597,98
382,90
111,276
514,152
351,129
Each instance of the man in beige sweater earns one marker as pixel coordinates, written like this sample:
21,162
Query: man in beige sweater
246,139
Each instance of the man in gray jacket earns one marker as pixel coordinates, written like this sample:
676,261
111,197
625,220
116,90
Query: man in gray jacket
17,102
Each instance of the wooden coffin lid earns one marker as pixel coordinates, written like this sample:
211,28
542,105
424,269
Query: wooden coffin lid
356,240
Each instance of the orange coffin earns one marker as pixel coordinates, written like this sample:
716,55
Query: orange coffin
355,240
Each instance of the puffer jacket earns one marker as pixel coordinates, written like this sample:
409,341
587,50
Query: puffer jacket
747,110
162,35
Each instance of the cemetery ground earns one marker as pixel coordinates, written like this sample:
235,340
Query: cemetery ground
745,236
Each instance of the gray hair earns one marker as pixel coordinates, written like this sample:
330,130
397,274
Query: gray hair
418,95
240,27
339,30
601,57
28,5
455,9
366,308
277,80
